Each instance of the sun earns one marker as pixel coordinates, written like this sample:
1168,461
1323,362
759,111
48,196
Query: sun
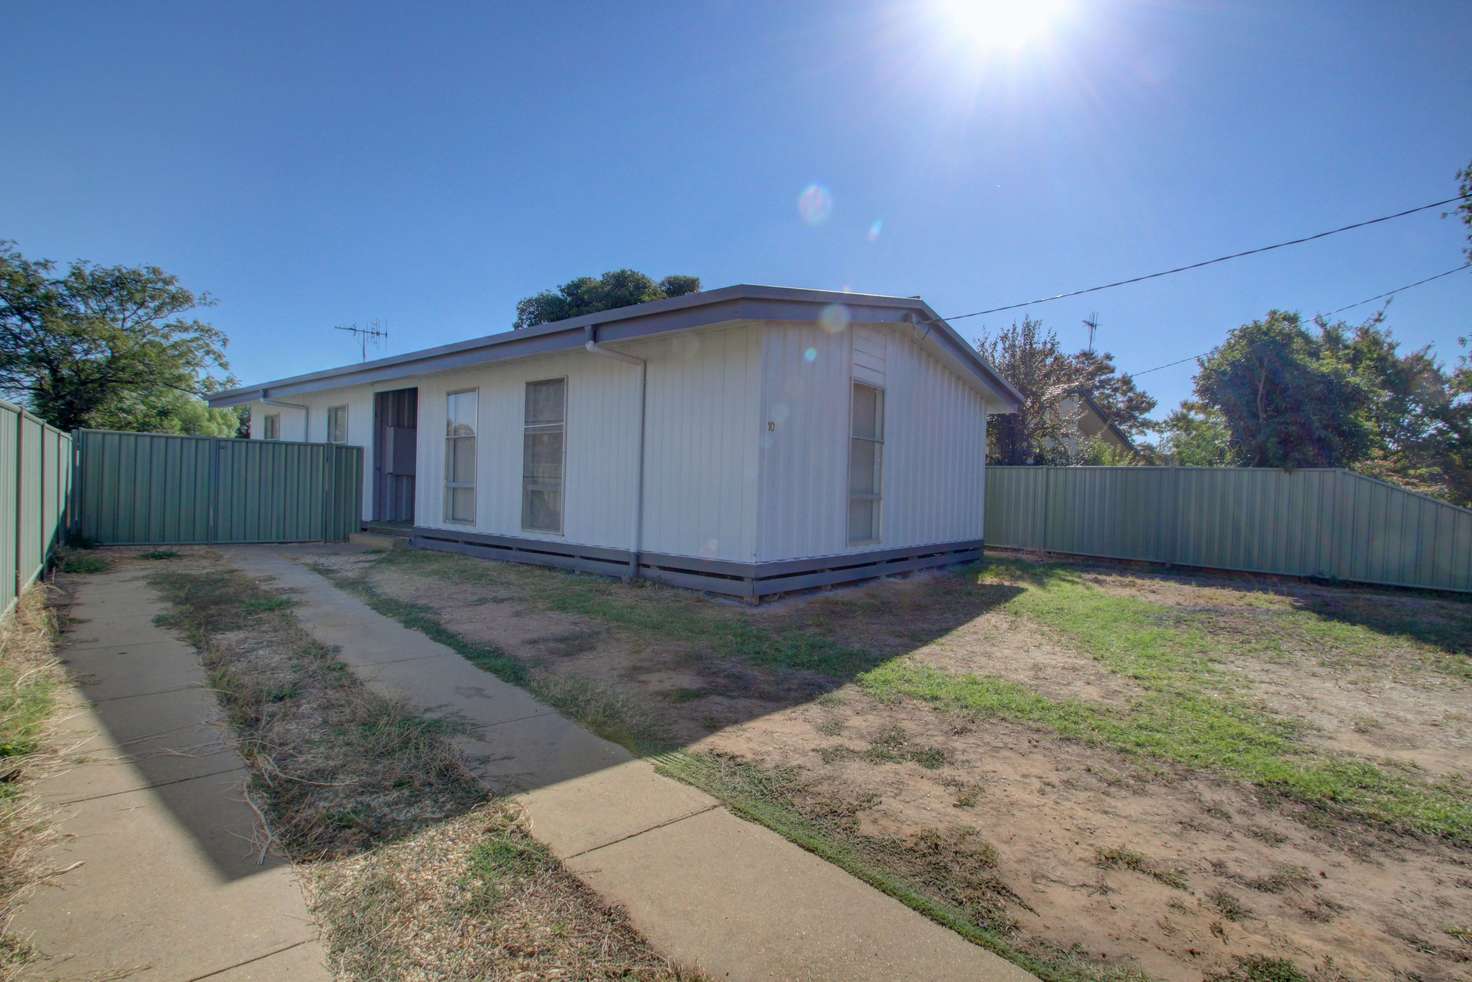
1003,24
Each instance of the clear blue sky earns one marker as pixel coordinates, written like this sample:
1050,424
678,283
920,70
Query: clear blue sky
315,164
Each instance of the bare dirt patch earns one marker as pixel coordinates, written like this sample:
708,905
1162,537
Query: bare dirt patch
1100,863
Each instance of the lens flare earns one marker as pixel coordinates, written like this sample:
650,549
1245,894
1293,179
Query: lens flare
874,229
834,318
815,204
810,355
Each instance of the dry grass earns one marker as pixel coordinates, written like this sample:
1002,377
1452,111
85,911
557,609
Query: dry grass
412,871
474,897
28,677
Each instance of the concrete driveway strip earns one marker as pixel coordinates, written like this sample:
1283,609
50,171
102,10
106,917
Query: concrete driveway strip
708,889
162,880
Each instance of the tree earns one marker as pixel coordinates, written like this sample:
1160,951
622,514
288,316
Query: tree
1030,357
1196,435
1288,399
586,295
1421,427
1045,430
102,345
1464,208
1126,405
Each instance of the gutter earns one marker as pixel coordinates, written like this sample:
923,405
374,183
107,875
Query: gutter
594,348
306,414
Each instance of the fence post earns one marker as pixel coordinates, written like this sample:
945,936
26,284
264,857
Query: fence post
43,540
20,457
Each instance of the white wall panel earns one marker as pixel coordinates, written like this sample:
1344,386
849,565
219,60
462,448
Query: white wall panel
934,444
700,445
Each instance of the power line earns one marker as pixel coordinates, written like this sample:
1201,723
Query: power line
1210,262
1340,310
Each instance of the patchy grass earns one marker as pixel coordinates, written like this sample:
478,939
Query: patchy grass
950,880
1259,968
413,872
29,675
1115,857
475,897
1151,674
612,716
83,562
159,554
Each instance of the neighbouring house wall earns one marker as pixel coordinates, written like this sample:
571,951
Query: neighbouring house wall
700,447
934,442
311,425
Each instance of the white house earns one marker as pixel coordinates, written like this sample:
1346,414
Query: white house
748,440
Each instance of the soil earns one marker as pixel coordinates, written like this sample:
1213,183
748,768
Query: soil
1240,872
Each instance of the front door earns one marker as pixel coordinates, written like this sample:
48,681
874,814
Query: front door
395,450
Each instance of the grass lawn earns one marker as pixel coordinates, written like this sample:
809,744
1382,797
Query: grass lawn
1093,771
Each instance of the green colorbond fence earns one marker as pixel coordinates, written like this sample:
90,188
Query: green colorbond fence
1315,522
156,489
35,487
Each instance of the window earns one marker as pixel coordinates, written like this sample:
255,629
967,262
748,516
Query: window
542,455
461,412
865,463
271,426
337,424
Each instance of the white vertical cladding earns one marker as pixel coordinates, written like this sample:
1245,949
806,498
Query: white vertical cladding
703,417
600,443
359,400
934,442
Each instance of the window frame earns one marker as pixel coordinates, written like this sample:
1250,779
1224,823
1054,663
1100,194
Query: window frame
270,422
528,428
452,486
337,409
877,497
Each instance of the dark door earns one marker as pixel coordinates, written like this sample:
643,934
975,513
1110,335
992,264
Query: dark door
395,449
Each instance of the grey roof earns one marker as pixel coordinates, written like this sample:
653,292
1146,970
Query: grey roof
694,310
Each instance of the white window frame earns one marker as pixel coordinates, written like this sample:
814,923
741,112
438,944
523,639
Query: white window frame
877,497
451,486
526,430
271,426
344,411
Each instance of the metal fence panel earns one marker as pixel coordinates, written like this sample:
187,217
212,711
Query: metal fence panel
157,489
1323,522
35,481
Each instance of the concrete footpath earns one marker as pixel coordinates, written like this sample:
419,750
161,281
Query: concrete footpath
157,841
706,888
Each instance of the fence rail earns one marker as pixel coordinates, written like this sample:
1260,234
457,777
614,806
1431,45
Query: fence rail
35,488
157,489
1313,522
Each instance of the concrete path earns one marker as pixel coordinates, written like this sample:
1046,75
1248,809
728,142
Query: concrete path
163,880
706,888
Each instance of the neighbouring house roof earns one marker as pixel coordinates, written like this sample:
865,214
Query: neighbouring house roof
695,310
1108,424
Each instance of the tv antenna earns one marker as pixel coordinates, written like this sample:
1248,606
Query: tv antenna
374,330
1092,323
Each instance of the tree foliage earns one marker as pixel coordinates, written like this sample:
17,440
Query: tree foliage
1045,430
1334,395
1288,399
586,295
1464,209
106,346
1195,435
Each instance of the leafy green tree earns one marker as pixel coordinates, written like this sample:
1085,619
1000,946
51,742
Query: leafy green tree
1421,426
1045,429
103,345
586,295
1196,435
1288,399
1030,357
1126,405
